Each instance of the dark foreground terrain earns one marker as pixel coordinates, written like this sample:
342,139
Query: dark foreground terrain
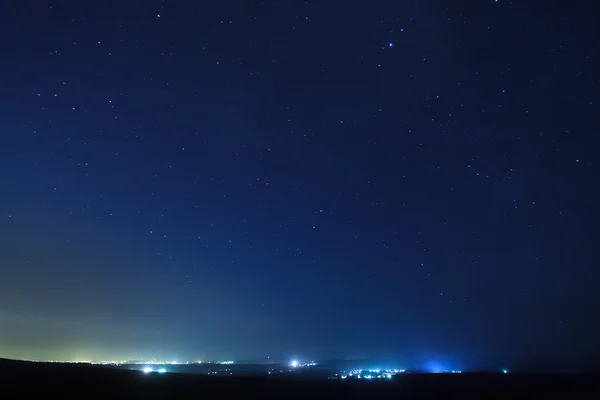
23,379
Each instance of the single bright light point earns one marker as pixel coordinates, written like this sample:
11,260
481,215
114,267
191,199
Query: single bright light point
162,371
294,363
147,370
389,376
505,371
390,44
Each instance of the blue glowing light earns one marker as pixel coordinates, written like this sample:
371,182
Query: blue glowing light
162,371
147,370
434,367
505,371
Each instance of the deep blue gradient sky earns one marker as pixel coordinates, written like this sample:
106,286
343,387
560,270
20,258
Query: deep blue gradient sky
253,179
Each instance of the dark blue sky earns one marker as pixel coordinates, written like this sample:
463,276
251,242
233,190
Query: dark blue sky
244,179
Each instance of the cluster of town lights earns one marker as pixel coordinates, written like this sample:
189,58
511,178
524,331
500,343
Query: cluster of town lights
372,374
147,370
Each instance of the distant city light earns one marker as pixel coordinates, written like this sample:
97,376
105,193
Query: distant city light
162,371
147,370
370,374
294,364
435,367
505,371
226,362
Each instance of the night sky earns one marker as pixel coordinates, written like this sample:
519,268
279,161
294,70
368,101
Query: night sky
312,179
